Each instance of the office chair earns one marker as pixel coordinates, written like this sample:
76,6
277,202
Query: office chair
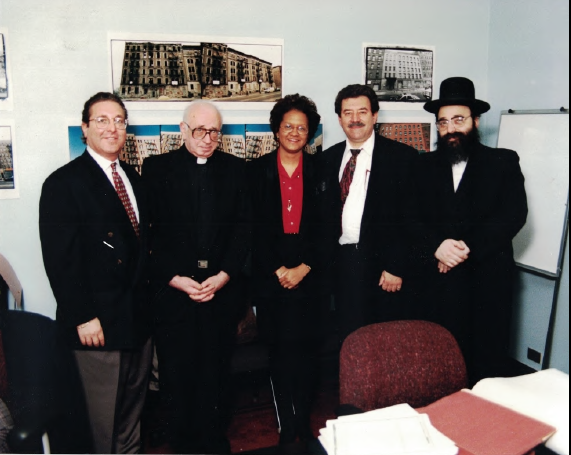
414,362
40,382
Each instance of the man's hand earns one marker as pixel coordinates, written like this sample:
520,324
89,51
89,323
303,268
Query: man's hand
192,288
91,333
290,278
213,284
390,283
451,253
443,268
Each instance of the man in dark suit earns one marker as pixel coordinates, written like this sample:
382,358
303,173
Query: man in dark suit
93,234
472,203
368,203
200,239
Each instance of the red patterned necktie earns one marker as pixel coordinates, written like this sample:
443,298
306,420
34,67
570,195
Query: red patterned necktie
124,196
347,177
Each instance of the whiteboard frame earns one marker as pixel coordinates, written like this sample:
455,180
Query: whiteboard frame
557,274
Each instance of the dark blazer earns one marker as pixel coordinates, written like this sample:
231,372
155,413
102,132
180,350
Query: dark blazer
268,223
389,207
487,211
173,223
80,215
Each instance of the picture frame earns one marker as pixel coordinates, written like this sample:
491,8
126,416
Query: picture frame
6,85
161,72
9,171
417,132
245,138
401,75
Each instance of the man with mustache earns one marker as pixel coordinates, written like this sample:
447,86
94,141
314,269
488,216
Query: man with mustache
367,201
472,203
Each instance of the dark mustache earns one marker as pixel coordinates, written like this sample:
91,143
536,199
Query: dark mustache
354,124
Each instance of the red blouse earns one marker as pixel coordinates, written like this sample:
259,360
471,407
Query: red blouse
292,196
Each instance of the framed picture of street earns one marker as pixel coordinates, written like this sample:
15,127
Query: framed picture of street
417,133
5,79
402,76
9,182
163,71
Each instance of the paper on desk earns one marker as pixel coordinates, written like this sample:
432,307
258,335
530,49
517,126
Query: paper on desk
390,431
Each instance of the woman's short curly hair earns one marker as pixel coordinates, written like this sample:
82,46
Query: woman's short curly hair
295,102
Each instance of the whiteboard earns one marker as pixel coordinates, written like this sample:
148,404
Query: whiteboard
541,139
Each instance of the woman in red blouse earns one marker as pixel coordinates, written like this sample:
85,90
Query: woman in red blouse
285,260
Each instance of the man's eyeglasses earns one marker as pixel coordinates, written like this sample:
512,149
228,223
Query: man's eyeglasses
456,121
302,130
200,133
103,122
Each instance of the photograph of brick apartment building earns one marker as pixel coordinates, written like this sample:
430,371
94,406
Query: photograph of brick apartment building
169,71
416,135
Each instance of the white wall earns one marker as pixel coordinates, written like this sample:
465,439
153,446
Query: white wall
58,52
529,69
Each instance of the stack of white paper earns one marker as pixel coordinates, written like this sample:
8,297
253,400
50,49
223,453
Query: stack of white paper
397,430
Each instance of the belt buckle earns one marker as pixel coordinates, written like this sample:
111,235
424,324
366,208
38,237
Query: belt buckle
202,264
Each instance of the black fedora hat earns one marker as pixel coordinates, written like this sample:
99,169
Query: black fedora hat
457,91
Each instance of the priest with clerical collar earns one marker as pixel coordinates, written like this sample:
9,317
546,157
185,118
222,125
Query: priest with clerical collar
200,239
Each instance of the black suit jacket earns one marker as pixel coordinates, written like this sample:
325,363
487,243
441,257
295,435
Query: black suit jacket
389,208
174,227
268,223
80,216
487,211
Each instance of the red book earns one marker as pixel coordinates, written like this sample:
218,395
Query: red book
480,427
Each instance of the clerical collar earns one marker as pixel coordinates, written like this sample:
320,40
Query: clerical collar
201,160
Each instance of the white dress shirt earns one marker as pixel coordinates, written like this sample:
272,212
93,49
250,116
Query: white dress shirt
105,165
355,203
458,172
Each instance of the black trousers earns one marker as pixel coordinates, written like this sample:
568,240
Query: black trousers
359,301
475,304
193,348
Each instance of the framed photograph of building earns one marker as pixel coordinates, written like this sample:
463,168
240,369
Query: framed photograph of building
248,141
9,182
418,133
5,74
162,71
402,76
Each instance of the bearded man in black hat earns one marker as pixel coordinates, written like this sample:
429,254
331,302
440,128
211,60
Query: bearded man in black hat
472,203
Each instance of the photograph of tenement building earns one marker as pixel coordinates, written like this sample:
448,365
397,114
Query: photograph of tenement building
6,159
416,135
3,75
403,75
169,71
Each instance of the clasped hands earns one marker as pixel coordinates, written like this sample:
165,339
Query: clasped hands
200,292
290,278
451,253
390,283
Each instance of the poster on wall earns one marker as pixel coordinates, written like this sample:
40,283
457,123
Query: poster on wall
5,79
9,182
162,71
417,133
401,76
244,140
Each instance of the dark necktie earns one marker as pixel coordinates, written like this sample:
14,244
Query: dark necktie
347,177
124,196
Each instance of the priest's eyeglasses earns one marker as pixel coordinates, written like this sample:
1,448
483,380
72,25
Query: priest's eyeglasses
456,121
103,122
200,133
